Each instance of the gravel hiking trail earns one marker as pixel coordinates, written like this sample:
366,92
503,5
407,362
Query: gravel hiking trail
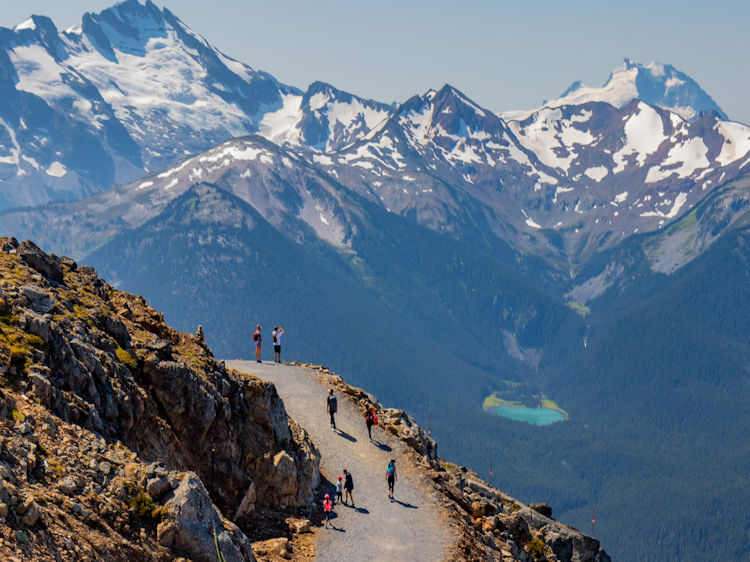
413,527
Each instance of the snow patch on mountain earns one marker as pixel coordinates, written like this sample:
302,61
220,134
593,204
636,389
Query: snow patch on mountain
683,160
644,133
279,126
736,141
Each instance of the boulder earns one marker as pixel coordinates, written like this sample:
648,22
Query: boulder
542,508
69,486
191,520
42,388
37,259
157,487
38,299
298,526
273,548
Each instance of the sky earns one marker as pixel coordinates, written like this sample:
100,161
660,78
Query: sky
503,54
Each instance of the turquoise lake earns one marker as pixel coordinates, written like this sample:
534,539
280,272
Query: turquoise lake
535,416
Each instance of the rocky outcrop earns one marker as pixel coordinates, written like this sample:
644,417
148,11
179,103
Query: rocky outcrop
138,414
492,525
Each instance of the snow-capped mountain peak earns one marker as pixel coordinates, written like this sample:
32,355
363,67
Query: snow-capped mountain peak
655,83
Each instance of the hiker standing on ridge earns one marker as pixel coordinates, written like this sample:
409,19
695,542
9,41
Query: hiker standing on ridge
276,338
390,477
331,408
256,339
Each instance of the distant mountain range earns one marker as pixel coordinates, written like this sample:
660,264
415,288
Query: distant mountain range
434,251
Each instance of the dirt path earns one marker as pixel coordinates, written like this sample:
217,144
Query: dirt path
409,528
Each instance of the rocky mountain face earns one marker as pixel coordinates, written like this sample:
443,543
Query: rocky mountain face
123,438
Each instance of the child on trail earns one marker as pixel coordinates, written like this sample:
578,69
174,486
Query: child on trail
340,490
327,505
370,419
348,487
390,477
276,338
256,339
331,407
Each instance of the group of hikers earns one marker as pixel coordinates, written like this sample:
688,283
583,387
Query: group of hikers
275,339
346,482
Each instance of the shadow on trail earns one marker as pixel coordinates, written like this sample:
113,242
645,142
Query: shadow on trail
410,506
361,510
382,446
346,436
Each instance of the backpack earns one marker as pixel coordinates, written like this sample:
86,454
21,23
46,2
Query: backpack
332,404
374,419
273,337
390,470
349,481
255,336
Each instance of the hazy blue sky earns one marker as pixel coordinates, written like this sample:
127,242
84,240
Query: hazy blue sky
504,54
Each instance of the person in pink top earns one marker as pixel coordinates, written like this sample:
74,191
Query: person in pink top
327,505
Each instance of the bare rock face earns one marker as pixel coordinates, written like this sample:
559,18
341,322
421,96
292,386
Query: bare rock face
103,361
37,259
193,525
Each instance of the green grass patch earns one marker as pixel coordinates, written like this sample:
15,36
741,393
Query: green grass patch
581,309
536,548
493,401
125,357
550,405
141,503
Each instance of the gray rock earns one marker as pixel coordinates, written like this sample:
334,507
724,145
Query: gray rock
43,388
157,487
542,508
37,259
190,522
69,486
248,501
39,300
80,509
30,511
24,428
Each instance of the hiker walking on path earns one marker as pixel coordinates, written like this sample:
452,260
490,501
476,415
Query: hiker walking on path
256,339
331,407
348,487
276,338
391,477
370,419
327,505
